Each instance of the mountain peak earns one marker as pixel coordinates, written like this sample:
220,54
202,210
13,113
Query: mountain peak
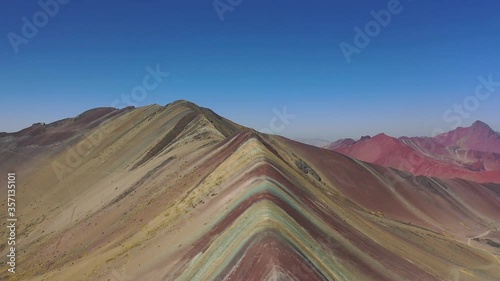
382,136
365,138
183,102
480,125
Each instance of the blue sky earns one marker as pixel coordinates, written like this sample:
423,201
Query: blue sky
264,55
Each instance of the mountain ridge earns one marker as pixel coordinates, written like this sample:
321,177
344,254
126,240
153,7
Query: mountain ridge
212,206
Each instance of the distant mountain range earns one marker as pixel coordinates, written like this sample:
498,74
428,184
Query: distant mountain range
471,153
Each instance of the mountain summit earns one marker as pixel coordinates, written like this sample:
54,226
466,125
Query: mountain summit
478,137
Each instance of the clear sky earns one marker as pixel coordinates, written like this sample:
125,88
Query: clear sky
263,55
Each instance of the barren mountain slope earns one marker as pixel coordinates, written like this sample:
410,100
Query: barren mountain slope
180,193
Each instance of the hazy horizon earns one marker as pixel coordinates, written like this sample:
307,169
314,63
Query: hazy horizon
286,130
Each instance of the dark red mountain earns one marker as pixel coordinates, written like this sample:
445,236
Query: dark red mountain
471,153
